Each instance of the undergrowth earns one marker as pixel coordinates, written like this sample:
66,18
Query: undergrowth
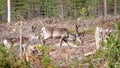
109,57
9,60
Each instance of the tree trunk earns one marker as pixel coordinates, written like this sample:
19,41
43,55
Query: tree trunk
75,12
9,13
62,9
105,9
115,8
20,39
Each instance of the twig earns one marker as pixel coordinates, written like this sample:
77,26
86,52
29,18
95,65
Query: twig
20,39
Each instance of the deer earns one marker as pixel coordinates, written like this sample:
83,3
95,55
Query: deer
10,43
48,32
15,41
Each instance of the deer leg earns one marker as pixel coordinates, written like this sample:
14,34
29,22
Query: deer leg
68,44
81,40
65,39
43,42
23,48
52,41
26,56
61,40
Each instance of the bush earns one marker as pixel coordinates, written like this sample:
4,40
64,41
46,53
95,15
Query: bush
110,56
113,54
4,63
9,60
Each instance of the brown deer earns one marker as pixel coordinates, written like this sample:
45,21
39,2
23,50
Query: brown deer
50,32
14,42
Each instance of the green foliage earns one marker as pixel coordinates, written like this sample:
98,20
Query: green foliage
113,47
3,11
2,5
29,9
118,25
108,54
50,8
9,60
3,55
89,31
45,59
83,11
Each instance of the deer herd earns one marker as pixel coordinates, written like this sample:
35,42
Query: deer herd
48,32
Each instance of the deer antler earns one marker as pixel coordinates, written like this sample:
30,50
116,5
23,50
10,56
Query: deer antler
76,29
78,38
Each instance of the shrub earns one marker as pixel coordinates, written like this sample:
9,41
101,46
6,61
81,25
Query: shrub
110,56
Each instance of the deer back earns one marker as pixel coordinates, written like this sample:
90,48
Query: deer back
12,42
60,32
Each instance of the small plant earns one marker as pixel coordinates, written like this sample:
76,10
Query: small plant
45,59
113,47
113,50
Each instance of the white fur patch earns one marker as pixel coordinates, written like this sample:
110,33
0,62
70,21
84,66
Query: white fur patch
5,42
42,31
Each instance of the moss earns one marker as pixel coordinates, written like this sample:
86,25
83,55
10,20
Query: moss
89,31
71,31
